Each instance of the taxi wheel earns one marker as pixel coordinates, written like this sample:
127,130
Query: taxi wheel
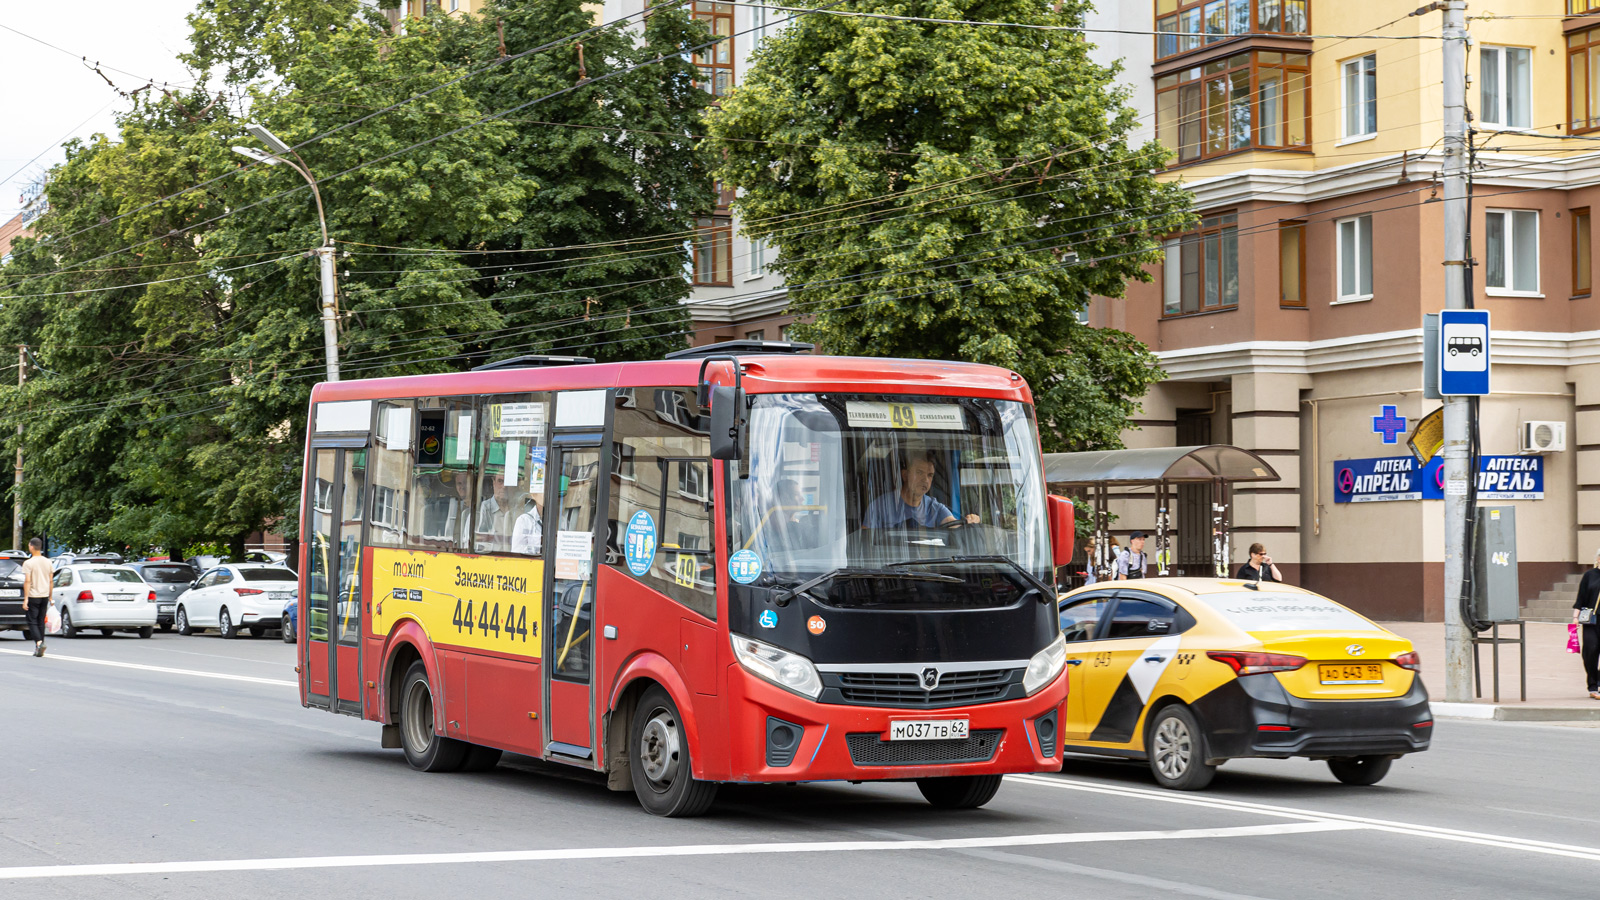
1177,750
1360,769
959,792
425,749
659,763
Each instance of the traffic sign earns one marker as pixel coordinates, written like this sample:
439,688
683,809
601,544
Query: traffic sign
1464,352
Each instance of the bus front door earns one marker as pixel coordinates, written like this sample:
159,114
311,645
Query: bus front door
330,608
570,550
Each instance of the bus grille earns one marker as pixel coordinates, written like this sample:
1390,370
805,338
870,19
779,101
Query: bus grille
869,749
902,689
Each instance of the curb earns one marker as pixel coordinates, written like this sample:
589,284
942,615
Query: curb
1516,712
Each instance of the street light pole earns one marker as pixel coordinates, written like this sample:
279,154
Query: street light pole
280,154
1457,409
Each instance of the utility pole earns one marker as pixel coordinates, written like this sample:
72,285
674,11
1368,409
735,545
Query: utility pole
1457,409
280,154
16,489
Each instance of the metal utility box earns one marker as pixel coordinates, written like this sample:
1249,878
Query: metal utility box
1495,595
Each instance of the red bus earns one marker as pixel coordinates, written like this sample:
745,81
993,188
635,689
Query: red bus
738,564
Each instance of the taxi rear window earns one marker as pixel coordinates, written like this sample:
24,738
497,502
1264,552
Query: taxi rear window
1268,611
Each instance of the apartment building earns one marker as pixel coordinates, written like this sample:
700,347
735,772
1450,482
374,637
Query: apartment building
1289,322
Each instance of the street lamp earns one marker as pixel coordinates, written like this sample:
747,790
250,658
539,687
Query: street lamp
280,153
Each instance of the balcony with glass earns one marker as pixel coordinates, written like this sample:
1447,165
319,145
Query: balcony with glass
1183,26
1259,100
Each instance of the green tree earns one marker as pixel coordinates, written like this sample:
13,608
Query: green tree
955,191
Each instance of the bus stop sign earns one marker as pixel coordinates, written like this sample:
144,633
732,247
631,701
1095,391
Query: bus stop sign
1464,352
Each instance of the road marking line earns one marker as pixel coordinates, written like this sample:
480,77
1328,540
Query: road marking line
500,856
1573,851
168,670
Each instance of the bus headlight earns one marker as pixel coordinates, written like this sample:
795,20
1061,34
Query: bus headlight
790,671
1045,665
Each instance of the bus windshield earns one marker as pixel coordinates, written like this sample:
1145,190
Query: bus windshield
890,501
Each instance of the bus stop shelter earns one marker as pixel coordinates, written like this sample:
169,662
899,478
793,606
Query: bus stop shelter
1193,483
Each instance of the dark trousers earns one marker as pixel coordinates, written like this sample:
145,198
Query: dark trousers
38,606
1591,654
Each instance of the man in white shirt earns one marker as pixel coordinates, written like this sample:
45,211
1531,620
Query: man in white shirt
527,535
1131,562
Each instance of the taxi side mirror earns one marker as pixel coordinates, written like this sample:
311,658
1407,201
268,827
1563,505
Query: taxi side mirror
1062,529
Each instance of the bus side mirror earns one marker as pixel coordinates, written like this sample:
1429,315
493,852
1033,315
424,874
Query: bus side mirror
727,407
1062,529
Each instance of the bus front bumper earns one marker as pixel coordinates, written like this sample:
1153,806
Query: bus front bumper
777,736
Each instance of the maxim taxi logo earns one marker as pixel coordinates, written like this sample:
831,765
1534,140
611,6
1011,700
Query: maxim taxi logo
408,569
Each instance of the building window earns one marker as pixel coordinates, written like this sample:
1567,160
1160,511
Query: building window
1201,272
1580,7
1511,251
1581,253
758,257
1355,259
1184,25
1583,70
1360,85
759,334
716,61
1248,100
1504,86
713,251
1292,264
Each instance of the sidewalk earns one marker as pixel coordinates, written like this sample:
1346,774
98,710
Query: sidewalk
1555,677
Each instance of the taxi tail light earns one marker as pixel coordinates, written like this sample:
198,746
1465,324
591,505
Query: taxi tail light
151,597
248,591
85,596
1409,661
1250,663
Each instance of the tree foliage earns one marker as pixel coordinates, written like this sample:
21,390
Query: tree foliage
170,301
955,191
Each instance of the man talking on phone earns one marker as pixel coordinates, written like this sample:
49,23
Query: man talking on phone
1260,567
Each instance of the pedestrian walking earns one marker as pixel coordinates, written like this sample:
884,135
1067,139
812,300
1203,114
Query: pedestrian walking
1260,567
1586,613
36,578
1132,561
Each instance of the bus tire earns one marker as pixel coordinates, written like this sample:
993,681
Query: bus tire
425,750
959,792
658,760
480,758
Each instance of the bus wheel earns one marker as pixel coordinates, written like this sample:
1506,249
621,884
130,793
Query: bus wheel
658,760
959,792
425,750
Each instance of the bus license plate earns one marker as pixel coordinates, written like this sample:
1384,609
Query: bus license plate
1358,673
928,730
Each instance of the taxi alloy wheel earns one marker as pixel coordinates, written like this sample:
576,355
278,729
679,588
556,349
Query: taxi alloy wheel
1177,750
659,762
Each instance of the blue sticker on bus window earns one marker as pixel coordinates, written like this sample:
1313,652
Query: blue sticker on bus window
769,619
744,566
639,543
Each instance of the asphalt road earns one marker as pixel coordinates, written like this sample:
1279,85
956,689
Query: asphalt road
184,767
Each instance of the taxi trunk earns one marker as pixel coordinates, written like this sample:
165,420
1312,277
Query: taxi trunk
1353,665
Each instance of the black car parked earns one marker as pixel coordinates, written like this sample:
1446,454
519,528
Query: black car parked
11,615
170,580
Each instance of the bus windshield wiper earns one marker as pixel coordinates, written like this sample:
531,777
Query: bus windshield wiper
1046,592
803,587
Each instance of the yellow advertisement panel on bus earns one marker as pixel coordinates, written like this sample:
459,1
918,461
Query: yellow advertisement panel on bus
477,602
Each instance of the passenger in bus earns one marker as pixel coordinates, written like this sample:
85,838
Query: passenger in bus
493,511
793,528
911,502
527,535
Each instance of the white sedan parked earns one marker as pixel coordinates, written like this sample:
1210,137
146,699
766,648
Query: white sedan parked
235,596
110,598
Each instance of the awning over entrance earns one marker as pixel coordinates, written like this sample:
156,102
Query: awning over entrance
1174,465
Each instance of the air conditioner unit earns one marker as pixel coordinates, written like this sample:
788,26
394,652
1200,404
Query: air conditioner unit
1542,437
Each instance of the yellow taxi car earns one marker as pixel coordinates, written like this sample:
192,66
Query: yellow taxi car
1190,672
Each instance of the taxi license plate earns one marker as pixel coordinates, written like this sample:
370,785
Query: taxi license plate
1354,673
928,730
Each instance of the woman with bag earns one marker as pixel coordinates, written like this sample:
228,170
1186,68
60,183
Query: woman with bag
1586,615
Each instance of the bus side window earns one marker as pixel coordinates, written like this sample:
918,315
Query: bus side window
661,495
440,512
389,474
512,448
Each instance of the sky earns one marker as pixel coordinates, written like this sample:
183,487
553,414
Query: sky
47,95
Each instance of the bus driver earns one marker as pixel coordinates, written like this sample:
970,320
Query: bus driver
911,503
